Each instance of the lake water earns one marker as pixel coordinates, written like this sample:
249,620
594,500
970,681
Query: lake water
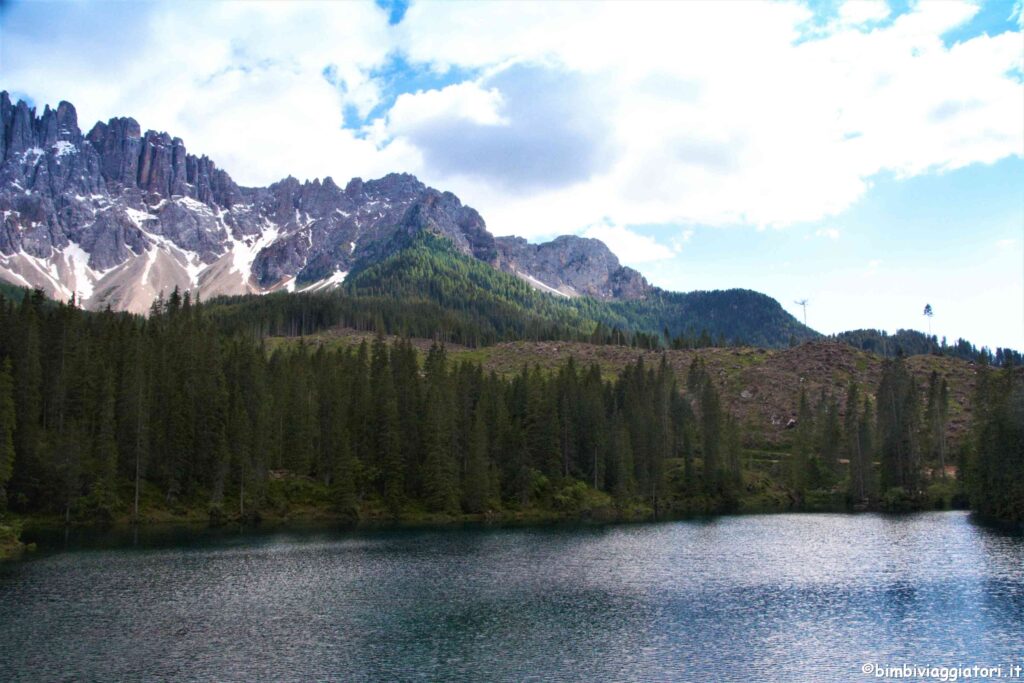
746,598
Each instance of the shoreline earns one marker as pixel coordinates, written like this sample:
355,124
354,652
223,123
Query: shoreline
35,525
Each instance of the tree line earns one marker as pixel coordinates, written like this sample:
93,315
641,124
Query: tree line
891,450
912,343
101,410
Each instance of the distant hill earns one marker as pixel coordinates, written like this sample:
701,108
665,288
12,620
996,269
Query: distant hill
912,343
426,287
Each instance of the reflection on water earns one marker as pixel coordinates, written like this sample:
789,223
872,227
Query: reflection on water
770,597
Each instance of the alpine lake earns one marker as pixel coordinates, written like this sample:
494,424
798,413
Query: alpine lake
782,597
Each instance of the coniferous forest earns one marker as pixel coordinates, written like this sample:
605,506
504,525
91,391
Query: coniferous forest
108,416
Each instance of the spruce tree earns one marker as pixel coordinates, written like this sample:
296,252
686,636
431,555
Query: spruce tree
7,425
803,447
897,419
476,486
857,457
440,473
711,437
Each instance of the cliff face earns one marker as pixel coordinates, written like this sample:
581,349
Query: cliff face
571,266
117,216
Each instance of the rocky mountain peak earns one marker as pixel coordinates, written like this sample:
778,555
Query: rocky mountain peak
119,215
572,266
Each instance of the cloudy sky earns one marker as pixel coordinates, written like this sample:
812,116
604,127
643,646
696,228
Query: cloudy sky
865,155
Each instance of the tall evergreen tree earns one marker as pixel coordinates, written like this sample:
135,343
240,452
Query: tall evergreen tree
385,434
7,425
711,428
897,419
853,446
440,473
801,464
476,485
995,473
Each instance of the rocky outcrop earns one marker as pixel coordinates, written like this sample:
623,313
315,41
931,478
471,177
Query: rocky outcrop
117,216
573,266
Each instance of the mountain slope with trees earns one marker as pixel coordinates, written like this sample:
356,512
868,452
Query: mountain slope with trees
427,288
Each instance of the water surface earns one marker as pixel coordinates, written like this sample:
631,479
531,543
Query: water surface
763,597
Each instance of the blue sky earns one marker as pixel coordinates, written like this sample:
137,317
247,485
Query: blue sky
865,155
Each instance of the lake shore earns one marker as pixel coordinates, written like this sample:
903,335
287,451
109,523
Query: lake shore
10,539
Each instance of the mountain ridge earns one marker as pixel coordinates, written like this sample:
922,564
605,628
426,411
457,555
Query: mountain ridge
117,215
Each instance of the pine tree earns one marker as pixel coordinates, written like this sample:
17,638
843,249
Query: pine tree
733,450
803,447
995,473
936,415
7,425
683,425
30,471
897,420
440,474
852,446
409,400
385,434
866,436
103,467
476,484
621,457
593,428
711,436
829,433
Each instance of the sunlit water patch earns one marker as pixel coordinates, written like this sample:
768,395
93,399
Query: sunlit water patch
767,598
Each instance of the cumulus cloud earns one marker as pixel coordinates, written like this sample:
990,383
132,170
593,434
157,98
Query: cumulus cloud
861,11
762,119
631,247
519,128
242,82
830,233
687,113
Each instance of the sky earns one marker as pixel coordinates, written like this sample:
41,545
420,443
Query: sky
866,156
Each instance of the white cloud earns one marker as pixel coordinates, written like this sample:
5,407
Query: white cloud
861,11
463,103
704,133
830,233
652,113
631,247
680,240
241,82
518,129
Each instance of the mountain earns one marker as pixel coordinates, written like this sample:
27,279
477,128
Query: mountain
116,217
571,266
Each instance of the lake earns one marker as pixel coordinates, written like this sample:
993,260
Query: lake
808,597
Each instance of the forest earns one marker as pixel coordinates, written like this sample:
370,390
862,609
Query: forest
428,289
108,416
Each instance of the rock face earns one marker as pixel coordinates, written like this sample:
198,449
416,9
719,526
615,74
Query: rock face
117,216
572,266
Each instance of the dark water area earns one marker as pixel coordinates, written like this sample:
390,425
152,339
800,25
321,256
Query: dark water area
812,597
